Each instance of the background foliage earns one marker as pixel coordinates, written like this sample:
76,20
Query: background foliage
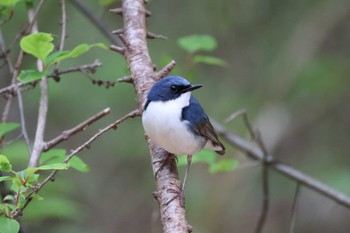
286,62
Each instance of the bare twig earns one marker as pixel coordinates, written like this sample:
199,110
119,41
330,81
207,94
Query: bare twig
117,49
126,79
265,182
63,28
151,35
23,122
234,115
256,153
63,24
166,70
80,127
33,14
256,137
43,104
36,188
118,11
19,99
40,129
91,68
96,21
294,209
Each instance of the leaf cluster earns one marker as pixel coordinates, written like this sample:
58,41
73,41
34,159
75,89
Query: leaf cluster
40,46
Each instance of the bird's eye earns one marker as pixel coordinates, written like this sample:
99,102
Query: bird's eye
173,88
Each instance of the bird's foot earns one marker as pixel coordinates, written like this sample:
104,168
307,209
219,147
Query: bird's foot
178,194
163,163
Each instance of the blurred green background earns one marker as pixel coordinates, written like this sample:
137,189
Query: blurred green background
288,64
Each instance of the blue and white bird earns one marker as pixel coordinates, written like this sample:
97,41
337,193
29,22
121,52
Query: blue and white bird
175,121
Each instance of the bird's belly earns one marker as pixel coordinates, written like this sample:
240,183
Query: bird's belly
172,134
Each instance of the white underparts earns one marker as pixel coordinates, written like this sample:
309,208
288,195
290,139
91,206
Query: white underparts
162,123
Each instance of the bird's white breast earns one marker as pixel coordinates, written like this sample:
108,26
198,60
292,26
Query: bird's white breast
162,123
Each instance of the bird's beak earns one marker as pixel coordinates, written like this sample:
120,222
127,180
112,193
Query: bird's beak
191,88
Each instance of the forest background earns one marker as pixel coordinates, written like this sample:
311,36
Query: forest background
285,62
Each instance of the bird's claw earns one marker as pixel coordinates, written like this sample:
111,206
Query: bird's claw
178,194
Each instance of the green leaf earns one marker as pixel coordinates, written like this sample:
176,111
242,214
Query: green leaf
105,3
5,164
7,127
27,76
59,155
54,166
9,198
27,176
8,2
196,43
8,225
224,165
53,156
210,60
4,178
77,51
38,44
204,156
37,197
78,164
56,56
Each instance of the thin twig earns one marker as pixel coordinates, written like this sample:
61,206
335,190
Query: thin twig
265,183
36,188
125,79
256,137
43,103
234,115
19,95
23,121
256,153
10,67
294,209
166,70
89,14
80,127
88,67
151,35
63,24
63,28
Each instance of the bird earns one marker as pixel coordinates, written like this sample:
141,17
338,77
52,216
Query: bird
174,120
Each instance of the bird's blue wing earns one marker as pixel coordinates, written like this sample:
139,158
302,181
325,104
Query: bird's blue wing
199,122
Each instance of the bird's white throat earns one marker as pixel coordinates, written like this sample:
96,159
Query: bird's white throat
162,123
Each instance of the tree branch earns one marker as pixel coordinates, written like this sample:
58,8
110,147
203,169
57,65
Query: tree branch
256,153
294,209
36,188
57,73
141,67
43,105
96,21
19,94
70,132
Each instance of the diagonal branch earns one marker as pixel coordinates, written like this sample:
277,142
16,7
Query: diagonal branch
35,189
70,132
91,15
256,153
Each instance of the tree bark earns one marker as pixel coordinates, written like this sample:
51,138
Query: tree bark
143,77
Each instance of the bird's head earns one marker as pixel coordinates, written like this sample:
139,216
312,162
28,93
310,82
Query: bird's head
170,88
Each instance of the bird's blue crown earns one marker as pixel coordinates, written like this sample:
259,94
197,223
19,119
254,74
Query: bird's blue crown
168,88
